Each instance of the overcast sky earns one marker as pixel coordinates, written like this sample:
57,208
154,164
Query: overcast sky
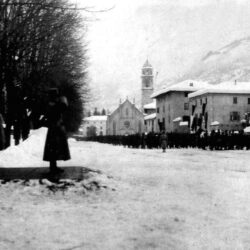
173,34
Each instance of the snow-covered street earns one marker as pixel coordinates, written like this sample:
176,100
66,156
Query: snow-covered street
145,199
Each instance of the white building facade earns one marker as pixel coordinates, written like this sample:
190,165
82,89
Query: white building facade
94,125
172,105
223,105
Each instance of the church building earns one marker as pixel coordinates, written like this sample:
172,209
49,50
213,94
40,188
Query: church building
126,119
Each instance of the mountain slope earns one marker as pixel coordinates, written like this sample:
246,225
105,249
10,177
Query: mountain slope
229,63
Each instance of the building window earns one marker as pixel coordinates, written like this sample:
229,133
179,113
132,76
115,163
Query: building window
185,94
248,100
126,111
234,116
163,109
158,110
235,100
186,106
200,101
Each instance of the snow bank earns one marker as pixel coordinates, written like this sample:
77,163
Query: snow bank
28,153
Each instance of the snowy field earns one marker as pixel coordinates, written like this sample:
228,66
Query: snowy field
142,199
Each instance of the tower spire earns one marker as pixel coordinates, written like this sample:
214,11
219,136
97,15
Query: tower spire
147,83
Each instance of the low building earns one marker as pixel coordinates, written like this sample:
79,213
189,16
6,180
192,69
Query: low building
126,119
149,111
223,106
172,103
150,123
149,108
94,125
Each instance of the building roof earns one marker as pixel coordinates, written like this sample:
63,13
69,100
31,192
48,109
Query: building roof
150,117
187,85
224,88
123,103
96,118
151,105
147,64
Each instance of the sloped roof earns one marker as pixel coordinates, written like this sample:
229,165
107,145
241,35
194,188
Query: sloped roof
96,118
150,117
122,104
147,64
151,105
224,88
187,85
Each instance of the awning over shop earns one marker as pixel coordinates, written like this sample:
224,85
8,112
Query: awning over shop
183,123
215,123
177,119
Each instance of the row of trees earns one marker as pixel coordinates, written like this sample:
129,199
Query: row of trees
97,112
41,46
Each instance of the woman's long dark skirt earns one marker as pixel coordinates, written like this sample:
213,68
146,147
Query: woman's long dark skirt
56,145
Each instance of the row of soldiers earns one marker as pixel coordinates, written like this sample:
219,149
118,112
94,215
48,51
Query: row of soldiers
216,140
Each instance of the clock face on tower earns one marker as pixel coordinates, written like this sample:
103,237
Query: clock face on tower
147,72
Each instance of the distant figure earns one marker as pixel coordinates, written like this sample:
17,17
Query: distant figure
56,145
2,133
163,140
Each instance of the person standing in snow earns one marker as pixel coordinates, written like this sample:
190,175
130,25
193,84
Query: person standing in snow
56,145
163,140
2,133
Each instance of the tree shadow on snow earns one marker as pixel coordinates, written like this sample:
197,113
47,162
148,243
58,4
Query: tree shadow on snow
73,173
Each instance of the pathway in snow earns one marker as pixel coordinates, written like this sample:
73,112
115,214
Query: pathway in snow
183,199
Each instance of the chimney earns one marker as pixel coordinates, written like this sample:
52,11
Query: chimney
235,82
191,84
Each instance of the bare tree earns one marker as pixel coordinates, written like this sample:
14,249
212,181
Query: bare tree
40,48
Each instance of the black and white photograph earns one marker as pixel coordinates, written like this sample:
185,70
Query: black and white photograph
124,125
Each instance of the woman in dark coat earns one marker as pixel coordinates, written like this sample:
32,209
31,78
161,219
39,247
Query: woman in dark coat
56,145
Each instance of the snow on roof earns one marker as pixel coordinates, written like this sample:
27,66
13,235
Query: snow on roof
187,85
150,117
151,105
96,118
215,123
224,88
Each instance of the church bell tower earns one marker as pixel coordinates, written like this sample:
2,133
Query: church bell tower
147,84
